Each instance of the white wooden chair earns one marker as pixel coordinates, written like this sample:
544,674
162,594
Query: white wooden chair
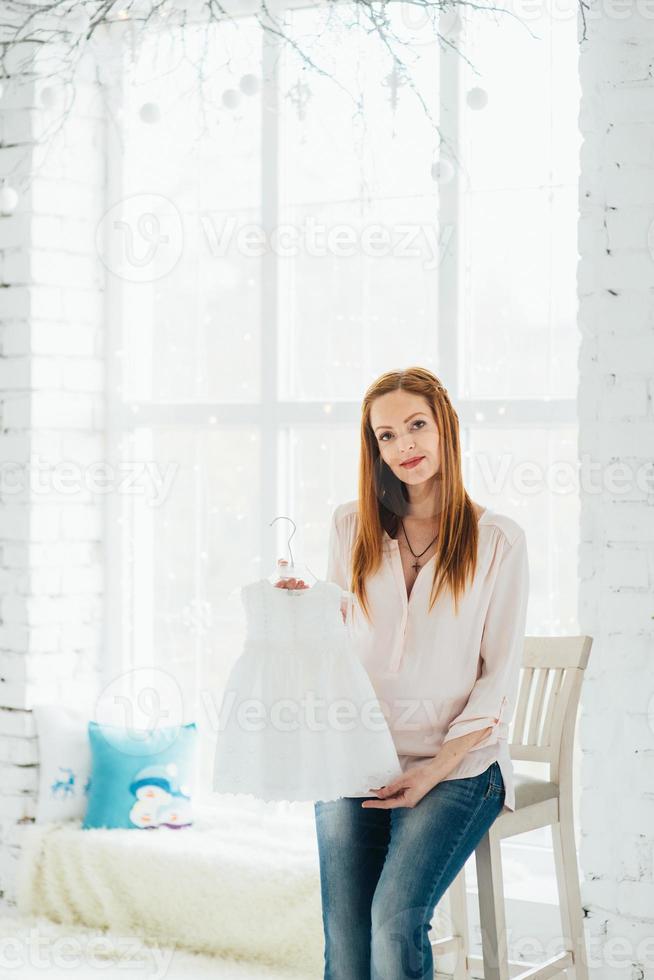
542,730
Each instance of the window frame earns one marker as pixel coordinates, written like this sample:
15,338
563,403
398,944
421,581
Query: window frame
274,418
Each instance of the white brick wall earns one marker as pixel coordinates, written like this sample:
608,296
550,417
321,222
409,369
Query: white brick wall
616,364
51,391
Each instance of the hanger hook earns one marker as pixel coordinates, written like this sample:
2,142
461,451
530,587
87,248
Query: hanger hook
281,517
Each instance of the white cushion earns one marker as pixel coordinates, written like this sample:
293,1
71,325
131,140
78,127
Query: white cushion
64,762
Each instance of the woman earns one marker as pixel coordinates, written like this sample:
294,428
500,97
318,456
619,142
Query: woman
441,585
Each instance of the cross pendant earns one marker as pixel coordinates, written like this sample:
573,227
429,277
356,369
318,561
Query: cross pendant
415,566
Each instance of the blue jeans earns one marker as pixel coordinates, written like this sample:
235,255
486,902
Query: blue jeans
382,873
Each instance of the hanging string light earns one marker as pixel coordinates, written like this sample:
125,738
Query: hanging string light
393,83
300,95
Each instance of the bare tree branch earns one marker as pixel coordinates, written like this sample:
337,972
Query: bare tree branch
34,27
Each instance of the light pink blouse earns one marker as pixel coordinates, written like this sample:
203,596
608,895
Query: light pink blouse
438,676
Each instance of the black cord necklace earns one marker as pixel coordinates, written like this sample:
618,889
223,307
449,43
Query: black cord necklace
416,564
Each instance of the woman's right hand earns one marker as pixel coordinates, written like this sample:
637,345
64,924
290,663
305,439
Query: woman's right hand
298,583
289,583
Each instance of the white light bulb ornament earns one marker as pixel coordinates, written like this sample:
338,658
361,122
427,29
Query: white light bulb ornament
249,85
477,98
442,171
8,199
231,98
150,113
49,97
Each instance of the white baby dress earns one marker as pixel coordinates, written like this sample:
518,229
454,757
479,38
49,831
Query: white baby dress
299,718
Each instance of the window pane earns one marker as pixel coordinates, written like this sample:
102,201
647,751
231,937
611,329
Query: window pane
359,293
349,317
520,336
531,475
190,300
519,205
527,133
330,151
188,552
319,466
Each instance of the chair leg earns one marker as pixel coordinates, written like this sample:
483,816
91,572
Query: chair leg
459,923
567,876
492,918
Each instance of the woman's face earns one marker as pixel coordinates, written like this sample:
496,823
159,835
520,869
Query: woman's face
404,428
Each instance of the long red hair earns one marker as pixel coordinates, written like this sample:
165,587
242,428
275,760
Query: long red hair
383,499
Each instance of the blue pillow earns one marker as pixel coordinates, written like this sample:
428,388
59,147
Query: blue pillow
140,779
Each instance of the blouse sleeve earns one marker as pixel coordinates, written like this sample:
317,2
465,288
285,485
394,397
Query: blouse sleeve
493,696
336,568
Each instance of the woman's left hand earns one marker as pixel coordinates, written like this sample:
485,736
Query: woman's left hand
407,790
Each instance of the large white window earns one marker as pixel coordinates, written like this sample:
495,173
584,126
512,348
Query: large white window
309,247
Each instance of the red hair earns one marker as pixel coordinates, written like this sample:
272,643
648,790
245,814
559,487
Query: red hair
383,498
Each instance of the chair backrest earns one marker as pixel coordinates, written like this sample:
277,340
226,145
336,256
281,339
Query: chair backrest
543,725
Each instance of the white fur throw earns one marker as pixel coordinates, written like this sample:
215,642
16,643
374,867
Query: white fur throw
237,886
